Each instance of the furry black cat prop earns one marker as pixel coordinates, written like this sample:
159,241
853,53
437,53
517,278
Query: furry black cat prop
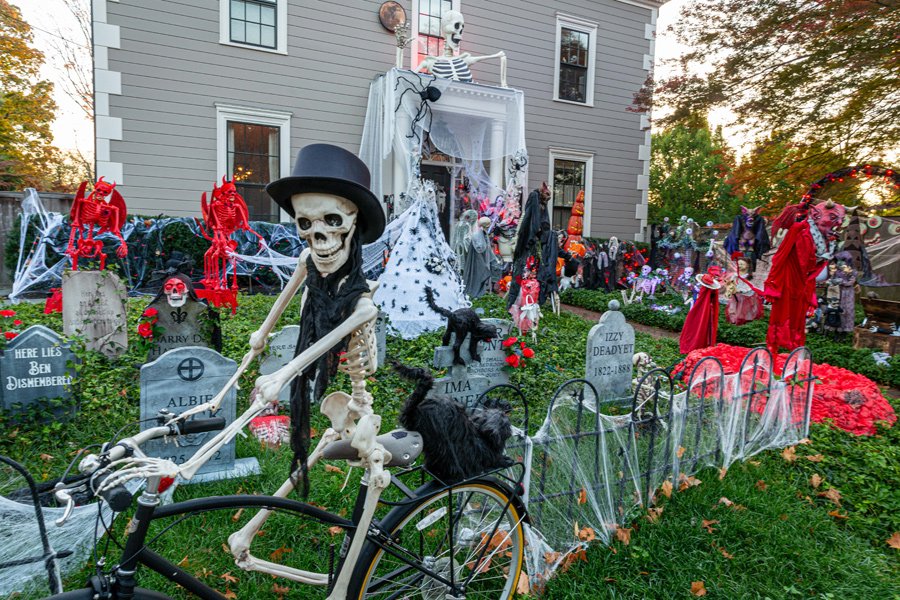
461,322
458,444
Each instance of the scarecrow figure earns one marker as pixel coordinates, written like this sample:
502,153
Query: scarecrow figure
104,208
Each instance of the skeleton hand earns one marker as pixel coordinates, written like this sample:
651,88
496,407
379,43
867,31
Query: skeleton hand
122,251
257,342
270,386
139,468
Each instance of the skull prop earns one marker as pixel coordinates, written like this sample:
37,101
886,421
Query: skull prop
326,223
175,291
452,25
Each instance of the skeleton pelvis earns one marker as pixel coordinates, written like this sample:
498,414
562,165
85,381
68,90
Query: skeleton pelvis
335,406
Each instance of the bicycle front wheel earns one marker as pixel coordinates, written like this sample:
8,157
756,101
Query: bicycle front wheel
470,536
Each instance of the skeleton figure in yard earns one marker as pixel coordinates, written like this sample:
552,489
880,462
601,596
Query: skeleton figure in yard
645,283
104,208
329,199
452,66
225,214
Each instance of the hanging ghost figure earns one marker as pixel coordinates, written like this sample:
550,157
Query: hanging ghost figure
450,65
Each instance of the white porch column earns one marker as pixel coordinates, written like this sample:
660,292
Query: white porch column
497,164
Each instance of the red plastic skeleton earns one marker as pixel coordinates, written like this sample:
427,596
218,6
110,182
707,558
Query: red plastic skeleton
225,214
104,208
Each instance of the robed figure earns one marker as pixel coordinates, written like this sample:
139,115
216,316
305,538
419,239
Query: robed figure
702,323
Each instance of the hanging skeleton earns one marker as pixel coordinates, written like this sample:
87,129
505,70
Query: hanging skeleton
103,208
452,66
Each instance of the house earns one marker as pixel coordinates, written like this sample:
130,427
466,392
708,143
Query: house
188,90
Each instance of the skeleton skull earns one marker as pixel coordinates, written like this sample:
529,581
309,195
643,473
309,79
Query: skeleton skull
176,292
326,222
452,25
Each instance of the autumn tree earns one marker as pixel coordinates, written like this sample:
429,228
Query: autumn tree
824,72
26,106
689,168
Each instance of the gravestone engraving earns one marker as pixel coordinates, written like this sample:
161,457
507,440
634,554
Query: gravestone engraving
186,325
493,356
94,307
34,365
461,386
279,352
610,348
181,379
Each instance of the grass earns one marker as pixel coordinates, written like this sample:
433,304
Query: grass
784,545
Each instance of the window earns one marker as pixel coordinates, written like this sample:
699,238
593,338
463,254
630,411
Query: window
575,51
427,22
572,173
257,24
253,150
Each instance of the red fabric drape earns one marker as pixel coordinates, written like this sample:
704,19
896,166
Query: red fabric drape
702,322
791,287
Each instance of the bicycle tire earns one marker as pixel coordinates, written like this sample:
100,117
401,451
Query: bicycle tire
88,594
474,527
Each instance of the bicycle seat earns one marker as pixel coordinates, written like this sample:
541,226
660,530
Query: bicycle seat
404,446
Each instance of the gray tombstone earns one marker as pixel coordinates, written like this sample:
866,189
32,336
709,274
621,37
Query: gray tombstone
34,365
94,307
492,354
461,386
186,325
610,348
279,352
381,327
181,379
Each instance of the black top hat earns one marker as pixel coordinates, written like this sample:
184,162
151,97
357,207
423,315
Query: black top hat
332,170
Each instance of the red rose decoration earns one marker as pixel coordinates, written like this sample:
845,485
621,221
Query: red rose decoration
7,313
10,334
145,330
509,341
151,312
528,353
17,322
512,360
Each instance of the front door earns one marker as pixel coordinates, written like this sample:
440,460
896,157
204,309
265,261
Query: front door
440,175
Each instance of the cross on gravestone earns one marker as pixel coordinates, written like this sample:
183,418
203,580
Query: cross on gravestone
492,354
94,307
279,352
461,386
181,379
188,325
610,350
36,364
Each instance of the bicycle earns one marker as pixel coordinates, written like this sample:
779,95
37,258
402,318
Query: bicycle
464,540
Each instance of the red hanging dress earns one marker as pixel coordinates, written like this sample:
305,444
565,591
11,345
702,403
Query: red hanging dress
702,322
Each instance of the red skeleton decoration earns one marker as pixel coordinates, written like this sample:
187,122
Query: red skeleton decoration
104,208
225,214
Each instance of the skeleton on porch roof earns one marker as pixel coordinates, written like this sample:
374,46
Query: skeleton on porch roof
452,66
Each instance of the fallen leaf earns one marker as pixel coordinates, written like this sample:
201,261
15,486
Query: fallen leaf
280,590
582,496
805,441
275,556
707,525
815,480
523,587
551,557
203,572
237,515
183,562
653,514
761,485
337,529
789,454
333,469
725,501
585,535
313,433
815,457
722,473
726,554
832,494
666,489
698,589
783,517
609,580
46,457
623,534
894,541
687,481
755,463
837,514
680,452
228,577
230,595
225,548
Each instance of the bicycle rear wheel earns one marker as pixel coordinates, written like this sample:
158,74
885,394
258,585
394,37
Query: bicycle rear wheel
484,559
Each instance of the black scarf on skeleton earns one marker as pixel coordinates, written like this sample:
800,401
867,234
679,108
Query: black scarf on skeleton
327,305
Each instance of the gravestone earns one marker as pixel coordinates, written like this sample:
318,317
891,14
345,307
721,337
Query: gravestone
181,379
186,325
34,365
461,386
493,356
279,352
610,348
381,327
94,308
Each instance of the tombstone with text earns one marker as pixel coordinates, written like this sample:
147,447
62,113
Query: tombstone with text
36,365
188,324
279,352
492,354
94,308
460,385
610,348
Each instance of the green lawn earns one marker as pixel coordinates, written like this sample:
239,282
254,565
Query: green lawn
783,544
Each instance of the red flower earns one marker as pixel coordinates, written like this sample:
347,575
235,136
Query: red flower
146,330
17,322
528,353
513,360
509,341
10,334
151,312
7,313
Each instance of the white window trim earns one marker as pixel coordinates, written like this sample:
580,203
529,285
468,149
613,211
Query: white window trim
590,28
257,116
280,28
588,159
414,31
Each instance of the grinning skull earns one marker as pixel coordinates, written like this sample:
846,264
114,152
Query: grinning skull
326,222
452,25
176,292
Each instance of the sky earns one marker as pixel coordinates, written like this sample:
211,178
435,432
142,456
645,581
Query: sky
72,130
